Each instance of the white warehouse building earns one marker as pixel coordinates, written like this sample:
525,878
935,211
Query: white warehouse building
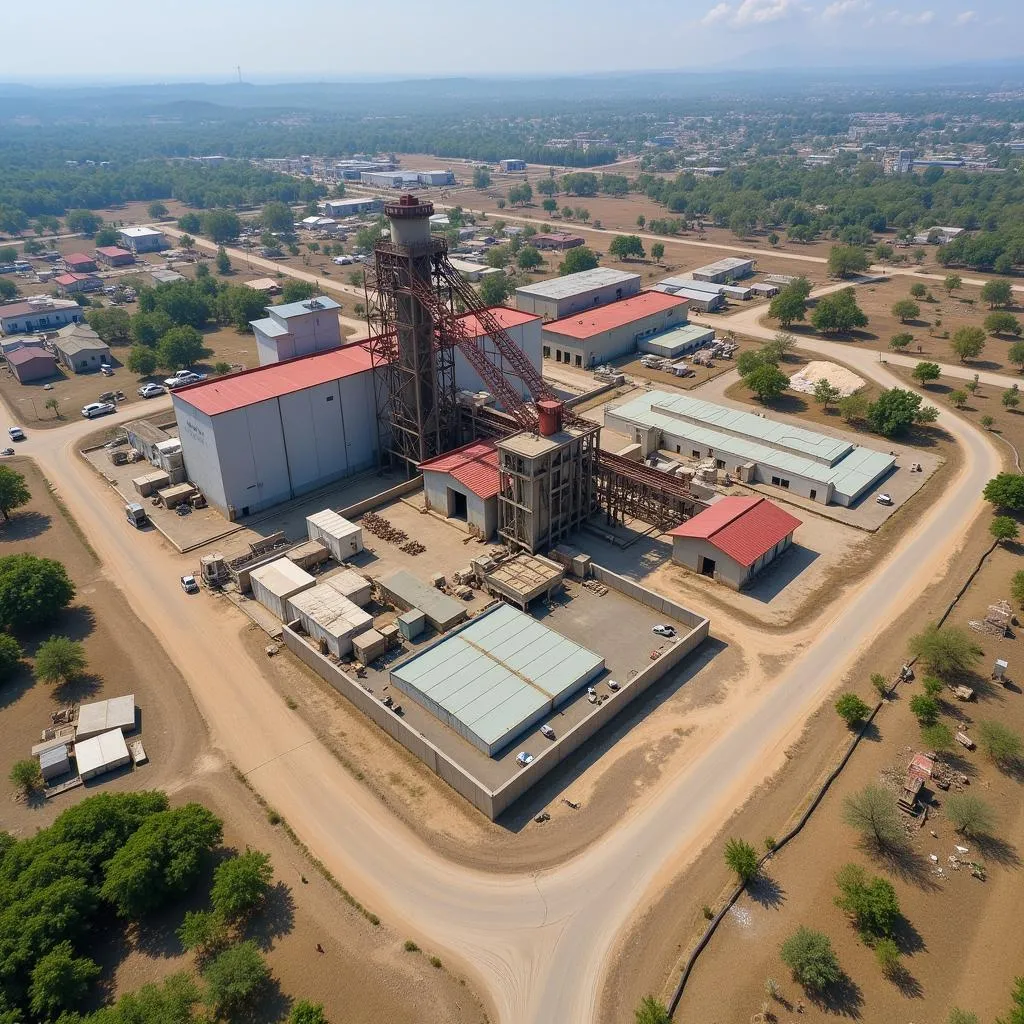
297,329
562,296
255,439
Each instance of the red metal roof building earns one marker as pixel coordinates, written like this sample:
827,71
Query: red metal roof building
475,465
31,362
597,335
733,539
463,486
79,262
72,284
114,256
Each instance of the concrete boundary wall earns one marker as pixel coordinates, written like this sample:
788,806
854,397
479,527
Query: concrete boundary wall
493,802
384,498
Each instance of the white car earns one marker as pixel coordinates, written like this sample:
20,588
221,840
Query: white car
16,433
884,499
94,409
342,261
189,585
664,630
183,377
523,758
547,731
152,390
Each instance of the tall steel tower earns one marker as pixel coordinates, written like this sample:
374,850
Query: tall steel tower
414,376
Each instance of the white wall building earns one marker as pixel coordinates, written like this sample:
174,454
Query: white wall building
573,293
351,207
142,239
297,329
40,313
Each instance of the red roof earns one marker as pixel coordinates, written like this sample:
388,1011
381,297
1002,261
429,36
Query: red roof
73,258
503,314
73,278
27,354
475,465
112,251
742,528
616,314
276,379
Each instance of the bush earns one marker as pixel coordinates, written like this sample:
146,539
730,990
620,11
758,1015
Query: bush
872,812
741,858
1000,742
880,684
241,884
937,737
1003,528
235,978
13,491
887,953
305,1012
60,981
970,814
931,686
809,955
10,656
957,1016
871,903
410,947
26,775
946,652
32,590
852,709
650,1011
204,932
59,660
924,708
1017,587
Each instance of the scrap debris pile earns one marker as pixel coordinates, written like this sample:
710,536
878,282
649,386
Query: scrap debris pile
997,622
381,527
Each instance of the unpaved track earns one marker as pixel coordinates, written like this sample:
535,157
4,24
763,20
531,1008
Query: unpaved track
536,944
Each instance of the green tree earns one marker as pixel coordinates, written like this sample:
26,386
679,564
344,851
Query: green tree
26,775
924,708
826,394
8,253
906,309
13,491
82,222
895,410
149,328
952,282
880,684
999,741
838,313
161,860
968,343
987,421
788,306
809,955
1003,528
157,210
59,660
481,177
1017,587
627,247
547,187
650,1011
847,260
223,260
852,709
870,902
779,348
190,222
969,814
741,857
8,289
937,737
180,347
658,252
221,226
767,381
578,259
235,978
305,1012
203,932
898,342
187,242
1002,322
10,656
958,398
295,290
997,293
750,359
529,258
498,256
946,652
932,686
549,205
241,884
918,290
33,590
1015,354
1006,491
494,289
277,216
853,408
887,953
1010,398
872,813
141,360
60,981
113,325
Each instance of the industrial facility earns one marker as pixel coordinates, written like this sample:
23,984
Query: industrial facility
573,293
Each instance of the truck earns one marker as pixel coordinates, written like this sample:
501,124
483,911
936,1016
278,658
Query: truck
135,514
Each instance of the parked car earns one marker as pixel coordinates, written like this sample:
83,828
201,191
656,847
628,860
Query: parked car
106,369
523,758
662,629
342,261
183,377
189,585
884,499
152,390
546,730
94,409
16,433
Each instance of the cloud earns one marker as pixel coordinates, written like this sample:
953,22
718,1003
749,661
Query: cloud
965,18
910,17
717,13
760,12
841,8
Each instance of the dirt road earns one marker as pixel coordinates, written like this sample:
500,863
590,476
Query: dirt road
536,944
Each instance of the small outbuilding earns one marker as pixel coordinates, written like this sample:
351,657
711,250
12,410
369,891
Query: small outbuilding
31,363
463,487
104,715
329,618
102,753
54,762
342,538
733,539
81,349
351,584
273,584
405,591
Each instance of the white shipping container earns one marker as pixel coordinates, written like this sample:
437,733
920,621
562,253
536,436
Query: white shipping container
342,538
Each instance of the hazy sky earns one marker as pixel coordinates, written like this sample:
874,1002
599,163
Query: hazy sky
274,39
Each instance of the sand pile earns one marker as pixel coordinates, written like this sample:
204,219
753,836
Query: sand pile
838,376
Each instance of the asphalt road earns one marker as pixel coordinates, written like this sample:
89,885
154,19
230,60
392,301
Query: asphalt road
535,944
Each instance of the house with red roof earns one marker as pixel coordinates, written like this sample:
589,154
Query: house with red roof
74,283
733,539
79,263
462,486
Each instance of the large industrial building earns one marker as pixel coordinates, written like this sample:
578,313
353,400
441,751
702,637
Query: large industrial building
817,466
497,676
732,268
351,207
563,296
297,329
700,299
594,336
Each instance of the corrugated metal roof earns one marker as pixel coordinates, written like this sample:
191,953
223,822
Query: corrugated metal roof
474,465
499,671
26,354
99,716
281,577
573,284
274,380
108,750
331,611
438,607
334,525
75,258
317,304
744,528
615,314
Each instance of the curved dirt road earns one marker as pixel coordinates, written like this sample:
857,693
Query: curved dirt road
536,944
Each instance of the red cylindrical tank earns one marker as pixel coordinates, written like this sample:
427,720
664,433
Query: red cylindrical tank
550,413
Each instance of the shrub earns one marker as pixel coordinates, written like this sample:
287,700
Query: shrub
59,660
26,775
931,686
32,590
410,947
924,708
946,652
305,1012
872,812
10,656
1003,528
852,709
203,931
241,884
887,953
970,814
999,741
741,858
809,955
871,903
880,684
937,737
650,1011
235,978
